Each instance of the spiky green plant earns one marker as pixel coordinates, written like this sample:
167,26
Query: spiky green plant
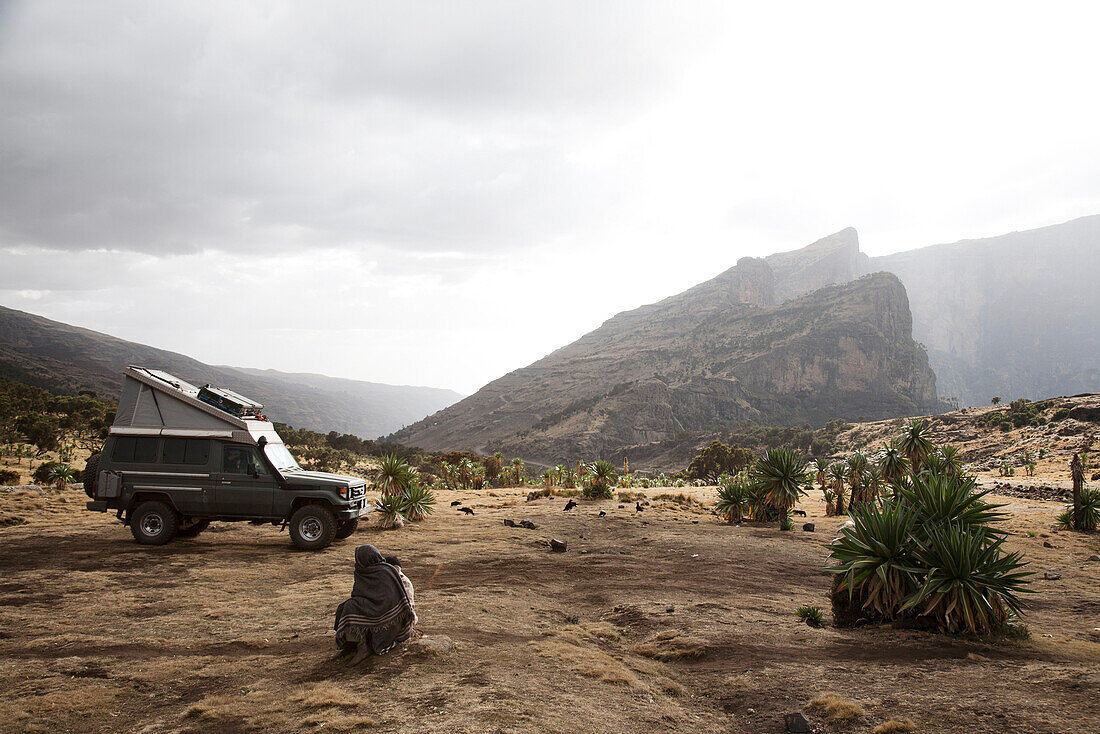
857,468
390,509
62,475
599,479
734,498
419,502
944,499
393,475
952,459
873,558
970,584
811,616
838,471
780,476
892,463
915,442
1090,512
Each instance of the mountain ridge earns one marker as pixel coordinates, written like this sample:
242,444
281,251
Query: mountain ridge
64,358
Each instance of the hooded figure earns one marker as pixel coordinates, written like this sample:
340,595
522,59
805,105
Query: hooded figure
379,615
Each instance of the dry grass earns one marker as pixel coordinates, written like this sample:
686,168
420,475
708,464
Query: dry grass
671,645
589,661
896,726
681,499
836,708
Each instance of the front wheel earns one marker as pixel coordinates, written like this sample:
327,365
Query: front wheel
312,527
154,523
193,528
345,528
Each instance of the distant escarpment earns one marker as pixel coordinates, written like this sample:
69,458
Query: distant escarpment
723,352
1012,316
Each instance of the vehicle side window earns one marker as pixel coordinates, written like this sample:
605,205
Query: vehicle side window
242,460
135,449
194,451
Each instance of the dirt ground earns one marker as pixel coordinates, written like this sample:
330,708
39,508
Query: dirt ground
660,620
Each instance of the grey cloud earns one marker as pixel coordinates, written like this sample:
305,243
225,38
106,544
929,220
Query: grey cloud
156,128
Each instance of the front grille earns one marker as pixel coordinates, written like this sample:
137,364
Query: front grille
357,492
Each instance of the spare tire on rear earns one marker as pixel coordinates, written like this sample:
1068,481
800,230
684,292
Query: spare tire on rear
91,473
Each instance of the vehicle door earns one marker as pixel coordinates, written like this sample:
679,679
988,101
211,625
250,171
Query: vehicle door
244,487
185,474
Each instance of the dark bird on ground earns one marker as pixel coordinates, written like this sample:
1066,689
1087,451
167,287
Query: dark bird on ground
570,505
638,507
467,510
456,503
799,512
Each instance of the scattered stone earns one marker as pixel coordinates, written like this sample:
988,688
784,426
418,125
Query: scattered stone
1095,634
621,506
1051,575
670,608
509,523
558,546
532,496
808,527
1047,544
431,645
527,524
694,522
1094,557
797,723
603,513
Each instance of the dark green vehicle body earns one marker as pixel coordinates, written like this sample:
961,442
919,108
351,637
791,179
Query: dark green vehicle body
179,463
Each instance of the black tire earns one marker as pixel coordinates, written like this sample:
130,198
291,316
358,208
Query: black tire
91,473
192,529
312,527
344,528
154,523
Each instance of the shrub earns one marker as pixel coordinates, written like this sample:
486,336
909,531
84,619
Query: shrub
598,480
8,477
811,616
44,473
419,503
1090,511
390,510
735,496
930,552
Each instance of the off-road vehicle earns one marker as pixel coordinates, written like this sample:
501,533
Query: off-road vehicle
179,457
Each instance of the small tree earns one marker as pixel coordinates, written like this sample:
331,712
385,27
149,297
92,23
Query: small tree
62,474
781,474
1077,473
599,480
996,399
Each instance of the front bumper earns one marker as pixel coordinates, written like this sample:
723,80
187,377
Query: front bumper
97,506
356,508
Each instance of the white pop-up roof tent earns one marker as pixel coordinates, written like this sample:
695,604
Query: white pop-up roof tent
155,403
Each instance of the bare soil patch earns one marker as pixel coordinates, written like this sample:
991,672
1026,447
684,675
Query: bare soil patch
664,620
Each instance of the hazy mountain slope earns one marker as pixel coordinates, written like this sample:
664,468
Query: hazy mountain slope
64,358
1016,315
718,353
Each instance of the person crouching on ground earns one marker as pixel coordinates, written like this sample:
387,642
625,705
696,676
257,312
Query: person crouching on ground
379,614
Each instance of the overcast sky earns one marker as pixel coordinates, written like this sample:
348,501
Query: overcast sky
439,193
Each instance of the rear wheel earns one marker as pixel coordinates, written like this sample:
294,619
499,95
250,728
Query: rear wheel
312,527
91,473
154,523
193,528
345,528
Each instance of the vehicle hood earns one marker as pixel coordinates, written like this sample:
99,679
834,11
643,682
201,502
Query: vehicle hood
321,479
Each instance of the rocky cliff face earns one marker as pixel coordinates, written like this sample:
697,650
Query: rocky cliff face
1014,316
720,353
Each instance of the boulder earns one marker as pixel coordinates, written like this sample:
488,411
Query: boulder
797,723
808,527
558,546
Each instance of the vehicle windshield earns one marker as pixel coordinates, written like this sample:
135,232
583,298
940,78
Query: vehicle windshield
280,458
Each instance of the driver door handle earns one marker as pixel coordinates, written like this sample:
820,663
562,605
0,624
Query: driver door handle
225,482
